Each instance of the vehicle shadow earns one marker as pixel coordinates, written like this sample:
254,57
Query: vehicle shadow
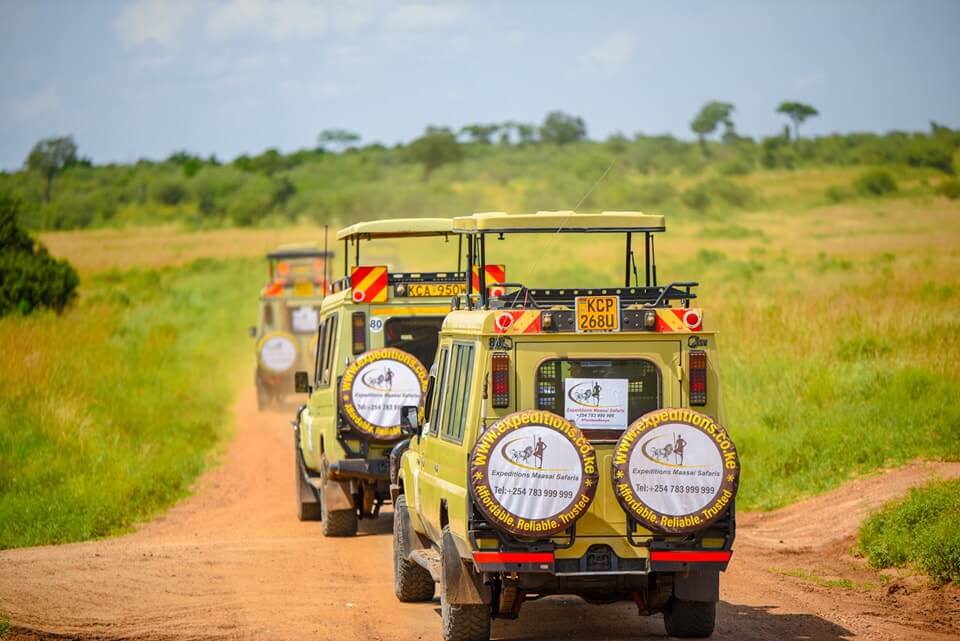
563,618
383,524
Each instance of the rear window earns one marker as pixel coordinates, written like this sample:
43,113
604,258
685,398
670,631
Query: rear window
601,397
417,336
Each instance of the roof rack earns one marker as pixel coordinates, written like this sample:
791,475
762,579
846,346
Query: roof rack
656,296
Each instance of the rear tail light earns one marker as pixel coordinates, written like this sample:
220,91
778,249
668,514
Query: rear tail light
359,321
698,377
501,379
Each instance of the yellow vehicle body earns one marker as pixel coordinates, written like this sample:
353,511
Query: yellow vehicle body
542,357
285,333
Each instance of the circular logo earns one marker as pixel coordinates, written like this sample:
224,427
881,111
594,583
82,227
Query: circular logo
376,386
675,470
533,473
278,353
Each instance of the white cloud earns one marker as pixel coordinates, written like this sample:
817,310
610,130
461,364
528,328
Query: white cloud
419,16
38,105
614,51
279,19
157,21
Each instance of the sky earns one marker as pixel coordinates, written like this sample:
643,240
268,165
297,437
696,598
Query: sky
132,79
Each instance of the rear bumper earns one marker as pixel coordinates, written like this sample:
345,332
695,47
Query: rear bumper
365,469
600,562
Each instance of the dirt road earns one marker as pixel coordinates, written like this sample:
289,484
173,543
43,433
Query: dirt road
233,563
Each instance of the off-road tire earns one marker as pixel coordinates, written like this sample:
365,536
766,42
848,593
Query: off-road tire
689,619
306,510
411,582
336,522
263,400
462,622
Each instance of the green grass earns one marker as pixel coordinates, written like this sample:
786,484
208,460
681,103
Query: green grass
820,581
4,626
110,412
921,530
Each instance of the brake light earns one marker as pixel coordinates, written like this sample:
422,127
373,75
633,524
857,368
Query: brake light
359,324
500,368
698,377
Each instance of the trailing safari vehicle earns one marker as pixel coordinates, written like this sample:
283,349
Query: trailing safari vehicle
570,442
286,327
377,329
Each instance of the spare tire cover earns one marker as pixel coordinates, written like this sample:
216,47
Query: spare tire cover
278,352
675,470
376,386
533,473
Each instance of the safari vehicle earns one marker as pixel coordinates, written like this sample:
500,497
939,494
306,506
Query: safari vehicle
287,321
377,329
570,442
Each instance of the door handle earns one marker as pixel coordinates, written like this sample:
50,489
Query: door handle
436,467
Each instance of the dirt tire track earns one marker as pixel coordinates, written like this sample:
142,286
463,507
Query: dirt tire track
232,562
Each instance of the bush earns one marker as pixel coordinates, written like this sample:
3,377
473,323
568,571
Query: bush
702,195
949,188
169,192
738,167
837,194
29,276
920,530
655,193
878,182
931,153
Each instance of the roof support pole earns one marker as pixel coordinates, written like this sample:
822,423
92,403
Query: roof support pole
346,257
482,271
468,272
626,261
646,254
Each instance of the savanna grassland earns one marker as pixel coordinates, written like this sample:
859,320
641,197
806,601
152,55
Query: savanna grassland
834,281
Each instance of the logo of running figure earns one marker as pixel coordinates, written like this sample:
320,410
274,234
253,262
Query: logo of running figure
589,395
674,450
534,451
382,381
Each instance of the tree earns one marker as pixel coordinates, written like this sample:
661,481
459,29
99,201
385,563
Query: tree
337,137
710,116
480,133
50,156
434,149
797,112
560,128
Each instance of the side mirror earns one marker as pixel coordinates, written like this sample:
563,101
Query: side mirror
410,420
252,330
301,383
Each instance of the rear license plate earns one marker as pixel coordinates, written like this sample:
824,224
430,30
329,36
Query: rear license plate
424,290
598,313
303,288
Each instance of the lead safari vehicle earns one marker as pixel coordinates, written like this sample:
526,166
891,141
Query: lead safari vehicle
570,442
287,320
377,329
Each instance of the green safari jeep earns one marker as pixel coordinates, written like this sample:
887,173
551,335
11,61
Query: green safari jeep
570,442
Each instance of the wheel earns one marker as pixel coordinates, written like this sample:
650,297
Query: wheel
308,508
461,622
411,582
263,400
689,619
336,522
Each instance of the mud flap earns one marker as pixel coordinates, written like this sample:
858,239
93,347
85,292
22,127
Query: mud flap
462,586
697,585
336,494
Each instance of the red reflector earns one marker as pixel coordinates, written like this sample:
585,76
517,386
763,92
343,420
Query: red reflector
513,557
500,366
698,377
690,556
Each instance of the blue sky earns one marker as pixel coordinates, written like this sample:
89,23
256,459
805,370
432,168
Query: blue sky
142,78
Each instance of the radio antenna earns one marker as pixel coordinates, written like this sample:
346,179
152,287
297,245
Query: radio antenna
599,180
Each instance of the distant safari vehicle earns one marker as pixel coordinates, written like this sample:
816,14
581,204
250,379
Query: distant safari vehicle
570,442
286,330
378,334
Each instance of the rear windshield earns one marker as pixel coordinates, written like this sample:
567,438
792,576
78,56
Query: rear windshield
417,336
601,397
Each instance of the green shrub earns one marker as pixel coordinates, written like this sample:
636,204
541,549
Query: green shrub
655,193
737,167
696,198
931,153
29,276
169,192
838,194
877,182
920,530
949,188
717,190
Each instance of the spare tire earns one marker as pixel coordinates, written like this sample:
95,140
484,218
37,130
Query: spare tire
374,389
533,474
277,352
675,470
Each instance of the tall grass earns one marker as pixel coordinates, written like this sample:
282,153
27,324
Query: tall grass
110,412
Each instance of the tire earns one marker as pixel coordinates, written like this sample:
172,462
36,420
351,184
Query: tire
336,522
461,622
308,507
263,401
689,619
411,582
